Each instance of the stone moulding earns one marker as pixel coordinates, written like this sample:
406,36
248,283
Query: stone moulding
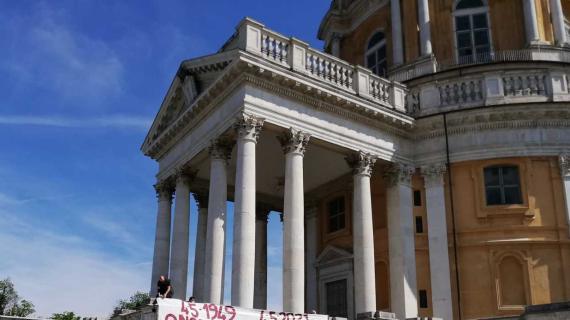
246,68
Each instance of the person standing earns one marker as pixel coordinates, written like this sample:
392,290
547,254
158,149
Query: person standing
164,288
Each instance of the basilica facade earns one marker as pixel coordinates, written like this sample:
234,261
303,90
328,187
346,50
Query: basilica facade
421,161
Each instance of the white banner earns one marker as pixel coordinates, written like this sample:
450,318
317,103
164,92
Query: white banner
174,309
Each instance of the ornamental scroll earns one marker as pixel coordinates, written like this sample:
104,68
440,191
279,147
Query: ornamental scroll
174,309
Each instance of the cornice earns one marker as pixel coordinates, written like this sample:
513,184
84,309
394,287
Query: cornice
318,95
500,118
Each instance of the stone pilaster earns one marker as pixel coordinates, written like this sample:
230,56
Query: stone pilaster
363,233
403,287
220,151
438,244
294,143
160,262
564,161
247,128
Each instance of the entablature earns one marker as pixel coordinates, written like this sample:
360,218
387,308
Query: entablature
285,66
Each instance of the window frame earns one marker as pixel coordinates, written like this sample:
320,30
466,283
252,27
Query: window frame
375,49
470,12
502,186
329,217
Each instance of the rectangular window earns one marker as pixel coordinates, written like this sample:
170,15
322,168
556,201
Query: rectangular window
336,298
419,225
335,209
472,37
417,198
423,299
502,185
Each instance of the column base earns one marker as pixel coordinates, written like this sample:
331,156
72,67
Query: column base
378,315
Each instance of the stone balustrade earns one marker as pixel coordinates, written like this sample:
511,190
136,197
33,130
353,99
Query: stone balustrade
429,65
296,55
487,89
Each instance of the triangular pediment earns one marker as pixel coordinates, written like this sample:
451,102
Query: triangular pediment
192,79
333,254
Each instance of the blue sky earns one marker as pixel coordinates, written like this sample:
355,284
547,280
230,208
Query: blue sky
80,82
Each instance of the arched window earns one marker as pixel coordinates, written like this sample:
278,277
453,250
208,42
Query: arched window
472,36
376,54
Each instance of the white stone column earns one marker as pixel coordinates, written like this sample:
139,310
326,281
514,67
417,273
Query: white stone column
531,22
181,234
160,261
438,245
363,233
260,282
397,37
311,240
243,265
558,23
565,175
425,30
294,143
220,151
200,252
403,285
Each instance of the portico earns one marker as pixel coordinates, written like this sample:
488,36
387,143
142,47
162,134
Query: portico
268,136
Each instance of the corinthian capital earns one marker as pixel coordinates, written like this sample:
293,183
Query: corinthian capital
564,161
248,127
294,141
221,148
361,163
398,173
433,174
164,189
185,174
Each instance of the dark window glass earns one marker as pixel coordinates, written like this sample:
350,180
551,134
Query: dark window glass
462,23
376,55
423,299
502,185
336,214
465,4
336,298
472,37
464,40
371,60
417,198
480,21
376,39
481,37
419,225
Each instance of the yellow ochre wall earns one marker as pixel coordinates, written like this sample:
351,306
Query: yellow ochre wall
506,18
505,254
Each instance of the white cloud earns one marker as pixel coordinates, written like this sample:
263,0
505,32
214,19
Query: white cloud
111,121
58,272
47,53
